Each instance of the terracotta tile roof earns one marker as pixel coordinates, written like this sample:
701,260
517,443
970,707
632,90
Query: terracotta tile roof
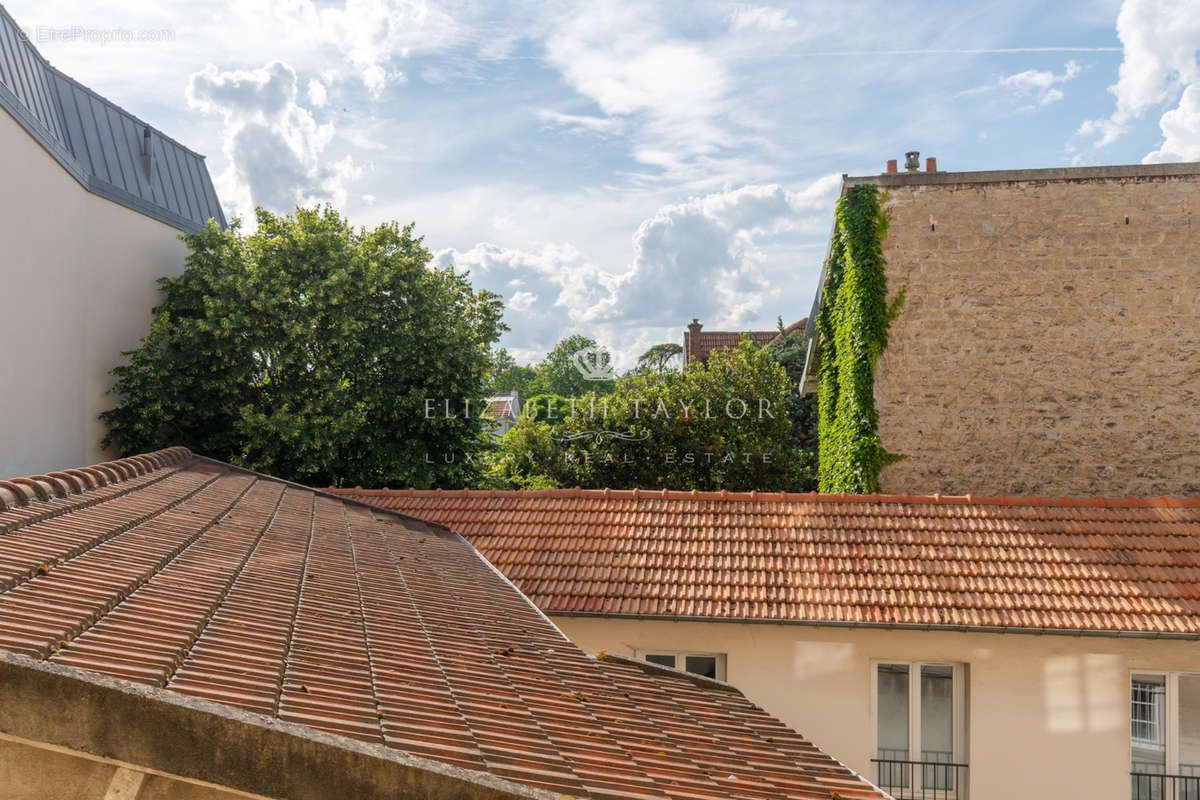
179,572
1098,565
704,342
699,344
499,408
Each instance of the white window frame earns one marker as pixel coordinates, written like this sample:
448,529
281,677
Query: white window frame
1160,724
680,655
1170,721
958,687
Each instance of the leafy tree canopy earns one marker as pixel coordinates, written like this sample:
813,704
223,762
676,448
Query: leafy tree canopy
551,408
309,350
660,358
559,372
505,375
724,424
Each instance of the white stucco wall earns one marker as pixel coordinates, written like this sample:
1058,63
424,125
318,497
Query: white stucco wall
77,281
1048,715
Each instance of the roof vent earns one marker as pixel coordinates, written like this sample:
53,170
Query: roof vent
147,153
912,160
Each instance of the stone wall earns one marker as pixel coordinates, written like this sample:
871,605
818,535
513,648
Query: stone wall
1050,339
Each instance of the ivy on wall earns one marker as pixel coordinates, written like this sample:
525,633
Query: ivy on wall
853,325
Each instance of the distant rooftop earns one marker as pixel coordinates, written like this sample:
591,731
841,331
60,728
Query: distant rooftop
109,151
699,344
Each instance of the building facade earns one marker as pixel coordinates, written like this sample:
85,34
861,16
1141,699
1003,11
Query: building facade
944,647
94,201
1049,339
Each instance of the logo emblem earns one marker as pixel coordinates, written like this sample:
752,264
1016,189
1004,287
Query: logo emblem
593,364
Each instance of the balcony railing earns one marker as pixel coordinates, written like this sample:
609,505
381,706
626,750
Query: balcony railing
1159,786
924,780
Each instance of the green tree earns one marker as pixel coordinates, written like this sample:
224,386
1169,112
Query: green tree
549,408
660,358
528,457
559,373
309,350
790,351
723,424
505,375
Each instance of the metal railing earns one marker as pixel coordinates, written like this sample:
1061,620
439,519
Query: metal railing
925,780
1160,786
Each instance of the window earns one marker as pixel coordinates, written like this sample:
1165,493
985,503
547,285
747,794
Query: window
708,665
1164,736
920,725
1147,700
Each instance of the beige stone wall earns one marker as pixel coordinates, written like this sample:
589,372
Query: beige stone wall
1047,716
1045,346
31,771
77,280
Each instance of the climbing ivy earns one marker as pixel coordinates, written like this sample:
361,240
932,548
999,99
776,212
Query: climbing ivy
853,325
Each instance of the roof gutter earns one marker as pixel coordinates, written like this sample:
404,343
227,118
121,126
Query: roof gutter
903,626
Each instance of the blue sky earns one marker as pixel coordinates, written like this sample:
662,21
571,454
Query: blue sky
615,169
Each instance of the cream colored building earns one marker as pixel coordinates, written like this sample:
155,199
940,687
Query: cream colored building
92,203
1009,647
1033,716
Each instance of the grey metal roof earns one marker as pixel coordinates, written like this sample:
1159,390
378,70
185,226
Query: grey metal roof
108,150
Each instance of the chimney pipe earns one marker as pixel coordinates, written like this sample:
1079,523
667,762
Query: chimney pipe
891,165
931,164
912,160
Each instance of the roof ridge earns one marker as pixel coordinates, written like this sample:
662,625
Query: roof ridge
755,495
18,492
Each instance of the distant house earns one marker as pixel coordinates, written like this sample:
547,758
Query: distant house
175,627
92,203
1049,340
502,412
945,647
698,343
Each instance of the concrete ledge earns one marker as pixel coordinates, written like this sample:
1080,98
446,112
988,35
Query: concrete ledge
171,734
1017,175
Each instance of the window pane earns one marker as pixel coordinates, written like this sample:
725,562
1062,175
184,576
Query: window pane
702,665
666,661
893,711
892,734
1147,711
1189,726
937,724
937,713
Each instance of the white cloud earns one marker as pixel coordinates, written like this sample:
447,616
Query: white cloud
373,34
274,146
1033,88
521,301
317,95
581,122
762,18
1160,40
1181,130
703,257
700,258
675,90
